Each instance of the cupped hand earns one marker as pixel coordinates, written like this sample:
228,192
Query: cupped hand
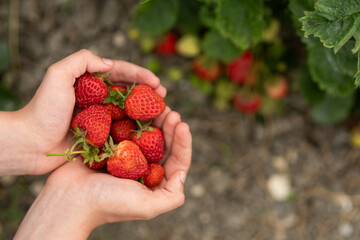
44,122
85,198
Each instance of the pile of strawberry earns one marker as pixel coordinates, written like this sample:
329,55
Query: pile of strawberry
113,129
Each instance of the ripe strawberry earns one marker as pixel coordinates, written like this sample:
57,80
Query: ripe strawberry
127,161
143,103
94,163
122,129
93,124
115,101
154,175
166,45
90,89
207,69
238,68
247,102
278,89
151,142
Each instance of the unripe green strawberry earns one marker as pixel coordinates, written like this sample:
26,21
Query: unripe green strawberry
90,89
151,143
93,124
143,103
127,161
122,129
154,175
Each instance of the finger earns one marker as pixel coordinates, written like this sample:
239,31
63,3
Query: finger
158,122
168,198
181,150
77,64
168,129
131,73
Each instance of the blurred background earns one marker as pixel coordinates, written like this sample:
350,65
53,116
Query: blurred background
261,169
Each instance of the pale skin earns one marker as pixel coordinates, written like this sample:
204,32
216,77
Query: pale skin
76,199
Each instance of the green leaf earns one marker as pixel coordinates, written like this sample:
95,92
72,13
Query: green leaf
297,8
4,56
332,72
309,89
241,21
357,75
207,15
156,17
333,109
218,47
188,18
334,22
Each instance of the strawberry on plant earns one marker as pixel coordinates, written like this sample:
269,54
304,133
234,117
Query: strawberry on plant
207,69
238,68
151,142
92,125
90,89
143,103
154,175
127,161
188,46
277,88
166,45
115,101
122,129
247,102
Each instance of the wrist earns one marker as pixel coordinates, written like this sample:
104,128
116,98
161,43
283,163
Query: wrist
55,214
15,141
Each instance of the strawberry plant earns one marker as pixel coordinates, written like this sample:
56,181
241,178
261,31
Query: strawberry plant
257,45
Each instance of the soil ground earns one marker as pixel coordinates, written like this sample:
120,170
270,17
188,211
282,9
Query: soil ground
233,155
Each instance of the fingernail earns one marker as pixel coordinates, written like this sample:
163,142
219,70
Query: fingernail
108,61
182,177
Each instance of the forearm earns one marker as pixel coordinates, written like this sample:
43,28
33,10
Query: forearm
14,141
55,215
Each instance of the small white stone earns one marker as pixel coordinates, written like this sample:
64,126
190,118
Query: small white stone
346,229
279,186
280,164
119,40
197,190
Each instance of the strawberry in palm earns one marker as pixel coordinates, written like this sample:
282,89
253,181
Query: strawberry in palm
90,89
143,103
151,142
127,161
115,101
122,129
154,175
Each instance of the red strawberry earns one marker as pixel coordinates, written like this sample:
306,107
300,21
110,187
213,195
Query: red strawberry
154,175
127,162
93,123
143,103
90,89
207,69
151,142
122,129
278,89
247,102
94,163
237,69
115,101
166,45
